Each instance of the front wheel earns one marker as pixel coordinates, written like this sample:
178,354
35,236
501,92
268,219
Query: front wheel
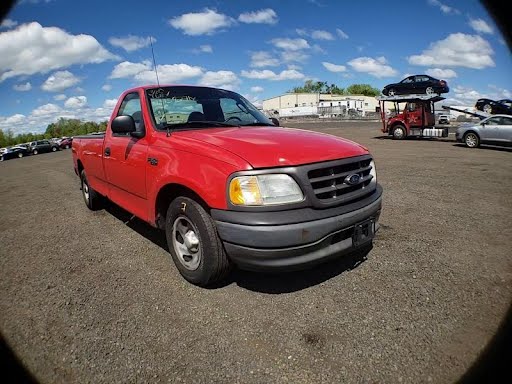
35,152
20,154
91,198
195,247
54,149
392,92
487,108
399,132
471,140
66,146
429,91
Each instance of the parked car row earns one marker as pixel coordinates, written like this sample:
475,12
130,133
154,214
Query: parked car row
35,148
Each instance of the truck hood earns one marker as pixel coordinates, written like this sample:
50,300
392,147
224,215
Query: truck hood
264,147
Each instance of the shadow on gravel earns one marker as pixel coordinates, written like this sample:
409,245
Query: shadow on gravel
142,228
487,147
285,282
275,283
11,367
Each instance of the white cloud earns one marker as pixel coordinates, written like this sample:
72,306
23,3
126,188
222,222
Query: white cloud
290,44
257,89
128,69
263,16
447,10
302,32
45,110
220,79
22,87
60,81
334,67
341,34
294,56
481,26
266,74
110,103
201,23
8,23
144,72
294,66
441,73
206,48
32,48
322,35
76,102
376,67
60,97
457,50
263,59
106,87
131,43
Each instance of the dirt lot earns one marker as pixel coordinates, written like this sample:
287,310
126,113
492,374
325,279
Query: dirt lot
94,297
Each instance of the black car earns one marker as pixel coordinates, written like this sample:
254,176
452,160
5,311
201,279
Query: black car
13,152
494,107
417,84
41,146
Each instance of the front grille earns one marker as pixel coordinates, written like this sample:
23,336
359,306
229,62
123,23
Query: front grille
329,182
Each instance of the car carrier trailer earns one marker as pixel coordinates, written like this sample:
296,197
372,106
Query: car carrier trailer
416,119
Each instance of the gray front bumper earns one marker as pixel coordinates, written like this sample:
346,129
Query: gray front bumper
288,246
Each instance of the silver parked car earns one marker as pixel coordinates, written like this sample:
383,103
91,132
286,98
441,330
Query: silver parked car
496,130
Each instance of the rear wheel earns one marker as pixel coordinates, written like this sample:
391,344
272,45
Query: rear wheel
195,247
35,152
487,108
471,140
54,149
66,146
392,92
399,132
20,154
91,198
429,91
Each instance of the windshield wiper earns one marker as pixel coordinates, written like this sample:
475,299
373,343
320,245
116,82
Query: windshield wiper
198,124
258,124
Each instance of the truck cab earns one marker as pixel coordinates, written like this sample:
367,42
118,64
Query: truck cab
413,116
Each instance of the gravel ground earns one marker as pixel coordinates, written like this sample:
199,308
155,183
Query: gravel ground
94,296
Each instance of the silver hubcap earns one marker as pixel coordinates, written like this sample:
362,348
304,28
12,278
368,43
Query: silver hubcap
186,243
20,154
471,140
399,133
429,90
487,108
85,190
391,92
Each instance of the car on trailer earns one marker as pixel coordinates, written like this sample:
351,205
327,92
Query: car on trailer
413,116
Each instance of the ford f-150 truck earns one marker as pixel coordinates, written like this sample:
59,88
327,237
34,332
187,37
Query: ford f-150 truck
227,185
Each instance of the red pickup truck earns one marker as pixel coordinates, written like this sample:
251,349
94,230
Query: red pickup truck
227,184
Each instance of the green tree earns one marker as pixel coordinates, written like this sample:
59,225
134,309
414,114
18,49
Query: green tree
362,89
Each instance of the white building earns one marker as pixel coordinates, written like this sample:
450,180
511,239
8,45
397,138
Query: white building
326,105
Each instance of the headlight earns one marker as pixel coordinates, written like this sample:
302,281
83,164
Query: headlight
264,190
373,172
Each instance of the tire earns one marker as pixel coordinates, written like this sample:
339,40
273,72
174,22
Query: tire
54,149
487,108
91,198
194,244
471,140
392,92
1,158
66,146
20,154
429,91
35,152
399,132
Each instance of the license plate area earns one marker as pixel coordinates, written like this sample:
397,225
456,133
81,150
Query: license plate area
363,232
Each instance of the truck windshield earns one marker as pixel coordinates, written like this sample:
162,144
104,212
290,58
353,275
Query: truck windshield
196,107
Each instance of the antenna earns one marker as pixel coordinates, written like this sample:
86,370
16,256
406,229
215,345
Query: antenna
154,61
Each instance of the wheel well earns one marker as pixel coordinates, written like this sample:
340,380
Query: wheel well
79,166
167,194
392,128
475,132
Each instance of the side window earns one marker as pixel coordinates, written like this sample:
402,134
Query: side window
506,121
131,107
493,121
407,80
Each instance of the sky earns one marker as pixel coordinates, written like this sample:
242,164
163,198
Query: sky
66,58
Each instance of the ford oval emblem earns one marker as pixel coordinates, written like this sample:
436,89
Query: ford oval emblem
352,179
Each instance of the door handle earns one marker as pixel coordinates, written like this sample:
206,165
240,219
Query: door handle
107,151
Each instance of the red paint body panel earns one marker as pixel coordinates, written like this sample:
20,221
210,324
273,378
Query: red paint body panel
201,159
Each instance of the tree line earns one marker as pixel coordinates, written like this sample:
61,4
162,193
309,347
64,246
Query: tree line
311,86
63,127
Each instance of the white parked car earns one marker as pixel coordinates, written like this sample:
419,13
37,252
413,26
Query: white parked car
496,130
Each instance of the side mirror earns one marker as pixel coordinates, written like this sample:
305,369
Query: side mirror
123,124
274,121
483,124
